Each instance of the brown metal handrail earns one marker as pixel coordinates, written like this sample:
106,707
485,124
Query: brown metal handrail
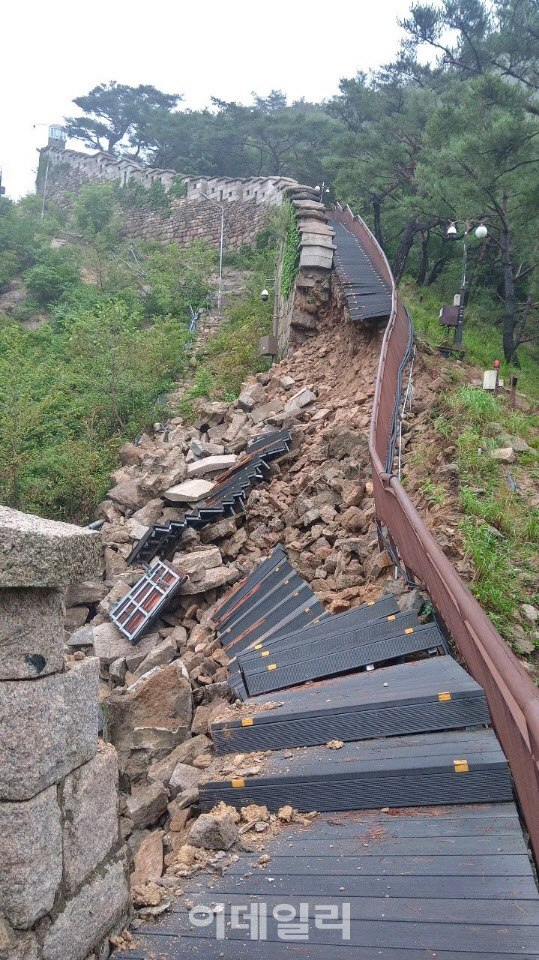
513,699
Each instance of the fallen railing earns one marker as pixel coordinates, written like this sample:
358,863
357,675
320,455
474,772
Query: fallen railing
512,697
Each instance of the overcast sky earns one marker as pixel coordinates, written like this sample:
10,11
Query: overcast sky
52,52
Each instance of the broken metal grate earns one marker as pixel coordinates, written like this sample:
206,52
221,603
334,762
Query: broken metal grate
227,498
134,612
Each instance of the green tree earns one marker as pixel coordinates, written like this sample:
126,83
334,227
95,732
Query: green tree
481,163
375,156
473,38
116,115
176,277
94,208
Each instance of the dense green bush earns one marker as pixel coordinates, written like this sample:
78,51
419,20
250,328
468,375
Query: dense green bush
94,209
69,397
74,389
176,277
55,274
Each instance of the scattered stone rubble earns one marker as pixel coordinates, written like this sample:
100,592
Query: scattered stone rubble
160,696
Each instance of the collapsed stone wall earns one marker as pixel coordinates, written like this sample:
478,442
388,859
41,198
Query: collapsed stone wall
161,695
63,885
299,314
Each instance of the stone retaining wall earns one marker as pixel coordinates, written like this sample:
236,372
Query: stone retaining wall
191,219
63,885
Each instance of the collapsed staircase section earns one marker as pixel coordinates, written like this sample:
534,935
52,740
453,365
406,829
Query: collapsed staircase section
367,708
277,633
428,695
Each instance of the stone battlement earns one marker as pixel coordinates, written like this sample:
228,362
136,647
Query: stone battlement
100,166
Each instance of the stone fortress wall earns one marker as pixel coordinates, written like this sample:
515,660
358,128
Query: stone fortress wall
246,202
63,876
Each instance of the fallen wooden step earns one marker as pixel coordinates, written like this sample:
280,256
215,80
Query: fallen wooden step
437,768
274,675
418,697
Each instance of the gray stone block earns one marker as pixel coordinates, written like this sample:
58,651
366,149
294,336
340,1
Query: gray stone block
189,492
317,240
109,644
90,815
146,805
89,916
45,553
316,257
160,699
31,633
211,465
31,857
48,727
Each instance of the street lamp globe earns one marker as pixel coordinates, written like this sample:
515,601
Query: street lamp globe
452,229
317,188
264,295
481,231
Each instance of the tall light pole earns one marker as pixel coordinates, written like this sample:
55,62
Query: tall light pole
219,292
481,232
322,189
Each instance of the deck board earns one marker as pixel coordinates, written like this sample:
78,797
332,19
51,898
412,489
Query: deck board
444,883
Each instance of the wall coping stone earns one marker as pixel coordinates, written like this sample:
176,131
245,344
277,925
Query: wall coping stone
35,552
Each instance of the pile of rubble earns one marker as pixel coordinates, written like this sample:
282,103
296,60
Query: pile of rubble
160,695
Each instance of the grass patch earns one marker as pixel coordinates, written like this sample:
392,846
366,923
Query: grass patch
500,530
232,352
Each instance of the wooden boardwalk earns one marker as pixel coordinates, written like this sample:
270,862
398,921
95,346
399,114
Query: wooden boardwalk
421,883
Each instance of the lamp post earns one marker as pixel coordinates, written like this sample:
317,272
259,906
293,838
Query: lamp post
219,292
480,232
322,189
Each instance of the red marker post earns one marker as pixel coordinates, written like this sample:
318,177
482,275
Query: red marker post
497,369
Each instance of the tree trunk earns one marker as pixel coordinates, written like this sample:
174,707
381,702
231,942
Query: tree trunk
436,270
509,347
424,261
405,246
377,221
